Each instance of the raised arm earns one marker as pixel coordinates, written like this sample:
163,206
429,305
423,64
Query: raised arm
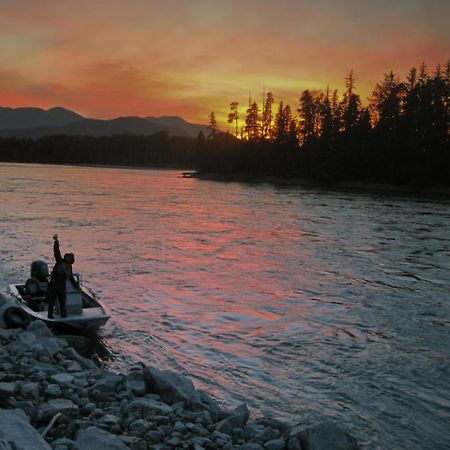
56,249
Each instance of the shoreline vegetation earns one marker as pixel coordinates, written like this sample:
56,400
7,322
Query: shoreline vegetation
400,140
51,397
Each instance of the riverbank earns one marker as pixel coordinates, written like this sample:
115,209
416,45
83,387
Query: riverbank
346,186
53,398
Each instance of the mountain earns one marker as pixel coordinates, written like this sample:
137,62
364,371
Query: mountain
14,118
191,129
96,127
37,122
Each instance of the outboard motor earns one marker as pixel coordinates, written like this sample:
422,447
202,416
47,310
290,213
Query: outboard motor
39,270
37,284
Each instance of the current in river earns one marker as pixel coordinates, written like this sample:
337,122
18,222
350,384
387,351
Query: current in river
304,303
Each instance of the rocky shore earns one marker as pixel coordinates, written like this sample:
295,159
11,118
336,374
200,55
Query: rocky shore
53,398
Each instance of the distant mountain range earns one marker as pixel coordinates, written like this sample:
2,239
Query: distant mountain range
37,122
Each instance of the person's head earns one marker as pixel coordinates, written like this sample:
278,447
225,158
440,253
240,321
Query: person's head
69,258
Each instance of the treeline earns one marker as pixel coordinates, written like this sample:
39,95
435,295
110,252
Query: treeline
159,149
400,137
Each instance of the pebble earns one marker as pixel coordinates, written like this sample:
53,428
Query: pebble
50,385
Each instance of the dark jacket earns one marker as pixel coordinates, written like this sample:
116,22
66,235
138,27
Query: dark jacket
62,270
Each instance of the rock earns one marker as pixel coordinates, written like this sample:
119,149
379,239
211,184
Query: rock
62,378
94,438
139,427
207,403
243,411
39,328
174,442
275,444
170,386
227,425
52,345
145,406
19,434
108,384
29,391
293,444
80,343
7,389
59,405
75,356
324,436
27,338
53,390
251,446
74,367
109,420
20,413
267,434
136,387
62,443
27,407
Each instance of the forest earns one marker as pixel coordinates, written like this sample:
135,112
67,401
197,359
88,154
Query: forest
401,137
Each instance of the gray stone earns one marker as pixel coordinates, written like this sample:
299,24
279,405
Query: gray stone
39,328
293,443
275,444
52,345
108,384
251,446
227,425
21,413
27,407
7,389
139,427
324,436
170,386
81,382
62,379
94,438
243,411
59,405
267,434
72,354
53,390
29,390
153,436
110,420
74,367
146,405
26,338
19,434
174,442
136,387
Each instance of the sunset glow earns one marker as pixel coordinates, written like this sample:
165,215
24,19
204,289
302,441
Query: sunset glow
110,58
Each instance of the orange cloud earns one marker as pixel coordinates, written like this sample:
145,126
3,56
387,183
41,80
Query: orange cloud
150,57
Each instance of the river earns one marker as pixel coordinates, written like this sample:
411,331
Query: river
302,302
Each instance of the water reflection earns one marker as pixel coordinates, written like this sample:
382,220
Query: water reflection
300,302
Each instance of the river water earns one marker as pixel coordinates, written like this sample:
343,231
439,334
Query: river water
304,303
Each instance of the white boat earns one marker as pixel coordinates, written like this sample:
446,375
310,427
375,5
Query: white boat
25,302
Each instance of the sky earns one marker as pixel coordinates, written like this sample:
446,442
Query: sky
109,58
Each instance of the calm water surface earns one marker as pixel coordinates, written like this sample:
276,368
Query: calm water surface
303,303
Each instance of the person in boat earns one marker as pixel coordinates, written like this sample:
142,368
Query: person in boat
62,271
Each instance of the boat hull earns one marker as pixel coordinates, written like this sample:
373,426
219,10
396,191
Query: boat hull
91,317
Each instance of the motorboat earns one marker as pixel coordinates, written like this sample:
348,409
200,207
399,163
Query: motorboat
26,302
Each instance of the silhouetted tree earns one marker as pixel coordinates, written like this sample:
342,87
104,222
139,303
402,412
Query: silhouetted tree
267,117
212,124
252,128
351,103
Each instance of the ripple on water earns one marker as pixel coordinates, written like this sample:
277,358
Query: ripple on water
303,303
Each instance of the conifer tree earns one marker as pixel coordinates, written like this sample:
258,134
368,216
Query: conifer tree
212,124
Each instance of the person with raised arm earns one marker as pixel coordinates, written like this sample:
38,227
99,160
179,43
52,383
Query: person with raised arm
62,271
